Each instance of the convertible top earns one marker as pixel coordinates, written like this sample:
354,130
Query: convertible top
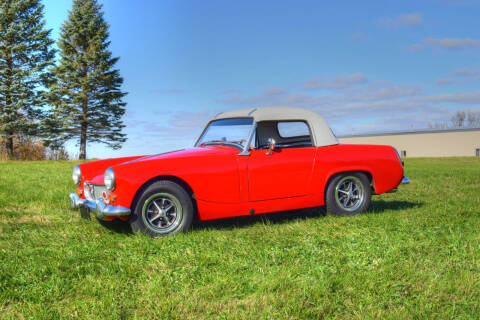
321,132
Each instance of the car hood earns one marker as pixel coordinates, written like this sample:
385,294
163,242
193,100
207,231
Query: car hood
185,153
177,154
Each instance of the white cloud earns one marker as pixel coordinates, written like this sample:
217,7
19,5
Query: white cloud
273,91
414,48
459,98
164,131
397,122
453,43
353,107
338,82
374,105
410,19
347,106
230,91
466,72
444,81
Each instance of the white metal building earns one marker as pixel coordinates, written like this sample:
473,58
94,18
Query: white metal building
425,143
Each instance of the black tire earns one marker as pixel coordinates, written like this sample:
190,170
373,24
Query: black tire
339,202
149,216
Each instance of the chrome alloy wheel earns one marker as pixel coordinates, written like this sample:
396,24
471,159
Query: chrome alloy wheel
349,193
162,212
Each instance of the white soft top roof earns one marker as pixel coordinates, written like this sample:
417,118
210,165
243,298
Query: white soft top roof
321,132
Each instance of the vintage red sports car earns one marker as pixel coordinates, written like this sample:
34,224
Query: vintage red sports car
245,162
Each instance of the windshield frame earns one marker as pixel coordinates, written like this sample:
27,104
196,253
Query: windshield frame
248,140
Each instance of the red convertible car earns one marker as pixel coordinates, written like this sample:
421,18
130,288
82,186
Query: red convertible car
245,162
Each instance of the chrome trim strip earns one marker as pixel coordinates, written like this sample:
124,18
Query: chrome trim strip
104,210
101,209
75,201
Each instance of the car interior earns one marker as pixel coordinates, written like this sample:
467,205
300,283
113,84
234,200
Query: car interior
287,134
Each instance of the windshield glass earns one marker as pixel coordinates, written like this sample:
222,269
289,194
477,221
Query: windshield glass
227,131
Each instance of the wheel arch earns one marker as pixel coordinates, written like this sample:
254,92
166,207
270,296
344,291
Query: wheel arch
171,178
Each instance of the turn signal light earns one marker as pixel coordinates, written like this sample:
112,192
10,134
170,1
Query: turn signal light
111,197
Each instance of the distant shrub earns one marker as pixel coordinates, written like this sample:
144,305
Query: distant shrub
60,154
28,148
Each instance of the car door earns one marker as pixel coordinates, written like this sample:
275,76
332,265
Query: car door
283,173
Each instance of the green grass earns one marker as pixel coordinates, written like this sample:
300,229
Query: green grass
416,254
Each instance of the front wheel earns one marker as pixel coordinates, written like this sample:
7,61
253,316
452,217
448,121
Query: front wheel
164,208
348,194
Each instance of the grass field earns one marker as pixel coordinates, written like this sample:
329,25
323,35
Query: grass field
416,254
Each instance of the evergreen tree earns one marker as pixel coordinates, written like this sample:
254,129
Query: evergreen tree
25,54
86,95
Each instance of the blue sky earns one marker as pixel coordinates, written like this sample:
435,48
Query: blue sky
364,65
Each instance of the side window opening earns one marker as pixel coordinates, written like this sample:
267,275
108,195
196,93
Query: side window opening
287,134
291,129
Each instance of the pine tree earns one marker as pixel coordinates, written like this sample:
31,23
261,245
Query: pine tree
25,54
86,95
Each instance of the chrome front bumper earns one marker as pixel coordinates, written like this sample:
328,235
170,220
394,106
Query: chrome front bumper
101,209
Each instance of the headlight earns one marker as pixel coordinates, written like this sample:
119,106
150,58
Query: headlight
109,179
77,175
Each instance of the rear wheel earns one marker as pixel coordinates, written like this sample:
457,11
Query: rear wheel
348,194
164,208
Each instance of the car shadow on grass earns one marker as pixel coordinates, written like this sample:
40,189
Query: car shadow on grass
377,207
117,225
269,218
123,227
380,206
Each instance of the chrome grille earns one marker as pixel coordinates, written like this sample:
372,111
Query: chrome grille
93,191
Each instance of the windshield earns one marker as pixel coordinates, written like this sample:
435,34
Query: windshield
233,131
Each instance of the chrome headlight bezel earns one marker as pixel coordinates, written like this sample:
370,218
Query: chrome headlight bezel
109,179
77,175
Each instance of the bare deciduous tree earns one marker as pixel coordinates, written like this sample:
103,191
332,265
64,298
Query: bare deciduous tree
461,119
473,119
458,119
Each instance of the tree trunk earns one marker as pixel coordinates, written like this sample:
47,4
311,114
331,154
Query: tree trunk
83,142
8,102
83,129
9,146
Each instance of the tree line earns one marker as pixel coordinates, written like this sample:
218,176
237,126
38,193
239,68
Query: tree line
78,97
461,119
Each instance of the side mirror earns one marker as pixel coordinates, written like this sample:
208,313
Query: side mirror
271,146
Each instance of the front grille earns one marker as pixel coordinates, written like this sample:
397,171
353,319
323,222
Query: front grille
94,191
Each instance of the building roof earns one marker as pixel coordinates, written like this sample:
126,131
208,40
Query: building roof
321,132
418,131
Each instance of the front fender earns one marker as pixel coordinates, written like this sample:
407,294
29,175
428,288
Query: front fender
214,177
